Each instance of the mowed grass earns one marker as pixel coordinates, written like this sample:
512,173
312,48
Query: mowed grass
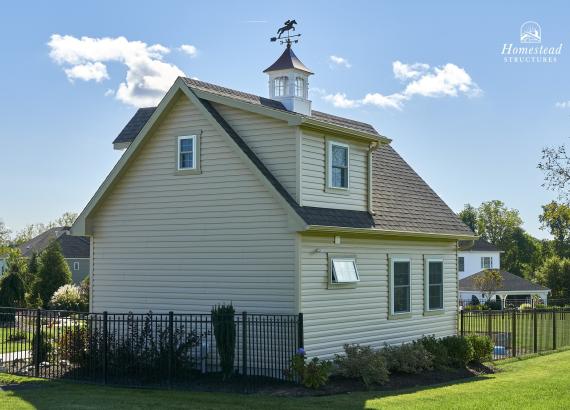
500,326
9,346
534,383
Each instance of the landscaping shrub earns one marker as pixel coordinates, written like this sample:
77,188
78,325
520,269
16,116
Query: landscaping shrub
459,351
525,306
225,335
364,363
482,348
469,308
437,349
411,358
494,305
45,348
67,297
313,374
73,345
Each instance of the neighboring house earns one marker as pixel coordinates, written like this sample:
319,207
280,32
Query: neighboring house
224,196
474,257
75,249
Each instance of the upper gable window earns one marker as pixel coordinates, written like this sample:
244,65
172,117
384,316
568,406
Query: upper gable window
187,152
338,159
486,262
300,87
280,86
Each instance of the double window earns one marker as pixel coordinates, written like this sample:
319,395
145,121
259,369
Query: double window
486,262
338,159
280,86
434,284
187,152
400,286
343,270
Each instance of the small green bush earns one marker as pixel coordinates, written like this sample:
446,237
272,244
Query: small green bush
73,344
494,305
482,348
437,349
525,306
411,358
313,374
459,351
364,363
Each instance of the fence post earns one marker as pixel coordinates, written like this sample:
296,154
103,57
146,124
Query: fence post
170,345
300,336
490,323
554,329
37,342
105,344
244,343
535,330
514,334
462,322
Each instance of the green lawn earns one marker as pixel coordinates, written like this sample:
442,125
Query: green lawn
12,346
540,382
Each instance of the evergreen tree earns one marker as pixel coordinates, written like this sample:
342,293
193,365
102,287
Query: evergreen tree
52,274
12,288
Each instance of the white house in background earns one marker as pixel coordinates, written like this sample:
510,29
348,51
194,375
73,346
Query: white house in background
227,196
476,256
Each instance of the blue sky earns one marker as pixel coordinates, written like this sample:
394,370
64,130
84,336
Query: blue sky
482,144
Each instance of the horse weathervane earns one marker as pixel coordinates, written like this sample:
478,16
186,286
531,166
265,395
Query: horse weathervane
284,36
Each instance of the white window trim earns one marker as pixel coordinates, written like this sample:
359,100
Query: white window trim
490,262
330,185
426,284
180,138
284,80
343,258
75,265
391,301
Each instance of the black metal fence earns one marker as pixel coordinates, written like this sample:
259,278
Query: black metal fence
142,349
519,332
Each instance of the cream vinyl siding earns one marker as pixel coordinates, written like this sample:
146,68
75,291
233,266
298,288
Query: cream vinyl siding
164,241
273,141
359,314
314,191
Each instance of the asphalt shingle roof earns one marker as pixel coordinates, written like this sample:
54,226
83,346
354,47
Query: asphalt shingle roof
478,245
511,282
402,201
286,61
71,246
135,124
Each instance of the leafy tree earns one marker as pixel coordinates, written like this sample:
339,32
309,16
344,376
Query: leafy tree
469,216
555,164
524,255
12,288
556,218
53,273
489,282
555,274
33,230
496,223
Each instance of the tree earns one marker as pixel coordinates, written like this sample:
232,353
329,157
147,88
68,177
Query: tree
4,238
555,164
556,218
524,255
496,223
53,273
555,275
469,216
12,288
489,282
67,219
33,230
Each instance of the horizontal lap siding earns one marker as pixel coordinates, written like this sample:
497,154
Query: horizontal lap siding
273,141
313,177
185,242
334,317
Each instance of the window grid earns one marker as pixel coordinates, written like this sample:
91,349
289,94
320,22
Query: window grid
435,285
300,87
339,168
486,262
187,152
401,287
280,86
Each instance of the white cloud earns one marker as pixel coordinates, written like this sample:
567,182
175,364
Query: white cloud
435,82
189,49
406,71
340,61
109,92
562,104
147,78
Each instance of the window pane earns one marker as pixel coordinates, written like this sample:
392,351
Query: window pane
435,273
186,160
340,177
186,145
461,263
401,273
436,296
401,299
344,270
339,156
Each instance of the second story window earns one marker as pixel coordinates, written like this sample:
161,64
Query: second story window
461,264
486,262
338,158
280,88
300,87
187,152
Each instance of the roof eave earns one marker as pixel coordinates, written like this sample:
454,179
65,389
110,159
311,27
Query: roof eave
312,123
388,232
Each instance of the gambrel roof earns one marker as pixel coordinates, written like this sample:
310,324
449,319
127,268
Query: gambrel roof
402,201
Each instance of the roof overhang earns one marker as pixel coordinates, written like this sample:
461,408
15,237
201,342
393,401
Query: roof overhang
387,232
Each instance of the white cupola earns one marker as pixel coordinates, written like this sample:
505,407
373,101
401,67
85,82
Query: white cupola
289,82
